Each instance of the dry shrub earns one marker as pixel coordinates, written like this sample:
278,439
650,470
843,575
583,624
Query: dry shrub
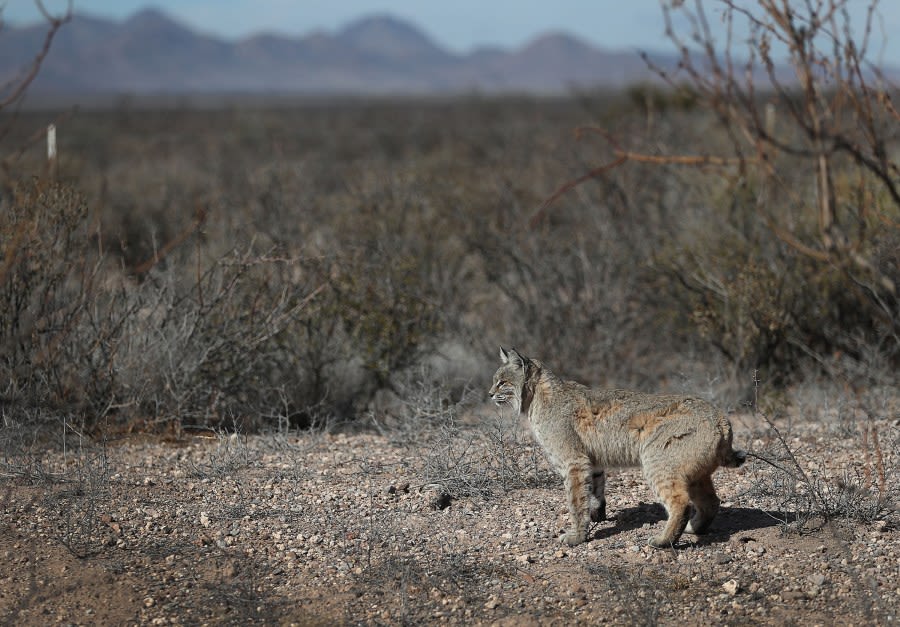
345,244
765,306
46,284
207,352
162,349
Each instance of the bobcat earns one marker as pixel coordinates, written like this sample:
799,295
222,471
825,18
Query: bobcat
678,441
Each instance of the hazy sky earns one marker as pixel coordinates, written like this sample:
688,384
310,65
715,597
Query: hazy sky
459,24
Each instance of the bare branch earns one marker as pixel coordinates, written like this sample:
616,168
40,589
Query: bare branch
55,23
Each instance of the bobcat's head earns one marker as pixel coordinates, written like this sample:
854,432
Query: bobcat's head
509,380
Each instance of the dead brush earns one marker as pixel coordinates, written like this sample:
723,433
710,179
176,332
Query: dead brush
229,454
641,595
861,494
484,460
71,474
422,405
466,452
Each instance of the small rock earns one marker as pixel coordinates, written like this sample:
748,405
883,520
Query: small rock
204,519
817,579
441,502
492,603
437,499
525,559
149,601
731,587
723,559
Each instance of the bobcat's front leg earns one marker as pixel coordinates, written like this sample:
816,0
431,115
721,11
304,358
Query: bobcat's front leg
579,490
598,498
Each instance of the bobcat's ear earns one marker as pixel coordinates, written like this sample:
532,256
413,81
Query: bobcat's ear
504,358
513,357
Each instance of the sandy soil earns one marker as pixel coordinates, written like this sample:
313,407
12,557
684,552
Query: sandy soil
346,529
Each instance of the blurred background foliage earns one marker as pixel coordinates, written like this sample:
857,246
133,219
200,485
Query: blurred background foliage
251,266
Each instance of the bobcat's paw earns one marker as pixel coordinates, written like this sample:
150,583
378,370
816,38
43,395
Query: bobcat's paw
660,542
701,528
573,537
698,528
598,510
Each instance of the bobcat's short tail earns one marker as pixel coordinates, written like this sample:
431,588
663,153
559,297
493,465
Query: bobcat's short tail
728,457
734,459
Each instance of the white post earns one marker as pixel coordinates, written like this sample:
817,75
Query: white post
51,149
51,142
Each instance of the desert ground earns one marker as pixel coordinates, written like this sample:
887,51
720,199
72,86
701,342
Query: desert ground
447,521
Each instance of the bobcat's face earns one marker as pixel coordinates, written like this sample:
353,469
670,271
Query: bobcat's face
509,381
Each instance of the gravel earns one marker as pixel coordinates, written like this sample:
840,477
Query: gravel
342,528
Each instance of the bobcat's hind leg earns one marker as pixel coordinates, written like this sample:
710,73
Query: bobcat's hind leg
598,497
674,496
579,490
706,505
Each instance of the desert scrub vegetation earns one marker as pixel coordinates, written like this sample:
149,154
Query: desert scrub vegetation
294,264
209,268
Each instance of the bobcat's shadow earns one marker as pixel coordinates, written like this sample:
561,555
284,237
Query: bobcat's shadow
729,521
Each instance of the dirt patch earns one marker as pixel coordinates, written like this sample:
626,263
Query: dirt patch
338,529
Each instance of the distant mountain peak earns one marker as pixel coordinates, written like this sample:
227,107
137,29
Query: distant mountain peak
381,23
387,36
558,42
152,16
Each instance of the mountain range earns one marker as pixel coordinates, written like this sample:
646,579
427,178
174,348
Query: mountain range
152,53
